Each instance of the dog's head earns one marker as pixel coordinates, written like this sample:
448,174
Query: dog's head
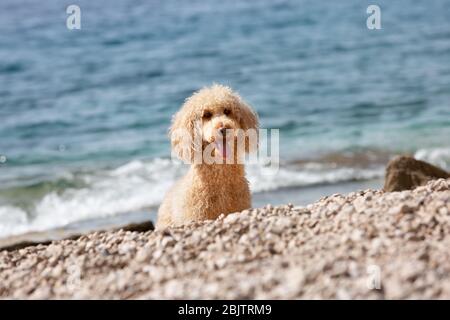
216,118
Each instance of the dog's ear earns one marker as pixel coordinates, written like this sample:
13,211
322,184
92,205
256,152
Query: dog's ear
248,117
249,122
185,136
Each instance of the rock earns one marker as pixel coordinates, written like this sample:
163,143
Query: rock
140,227
406,173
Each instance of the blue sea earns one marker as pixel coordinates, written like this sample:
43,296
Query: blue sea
84,113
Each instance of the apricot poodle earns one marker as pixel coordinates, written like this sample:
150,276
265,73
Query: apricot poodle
206,134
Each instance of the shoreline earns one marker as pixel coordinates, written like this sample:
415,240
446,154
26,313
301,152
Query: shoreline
301,195
323,250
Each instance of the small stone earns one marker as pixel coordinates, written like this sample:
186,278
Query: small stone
356,235
280,225
143,255
231,218
157,254
167,242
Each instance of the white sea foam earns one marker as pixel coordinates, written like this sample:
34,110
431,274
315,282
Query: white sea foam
142,184
13,220
133,186
266,178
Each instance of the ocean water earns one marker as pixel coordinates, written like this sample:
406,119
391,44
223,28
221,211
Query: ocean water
84,113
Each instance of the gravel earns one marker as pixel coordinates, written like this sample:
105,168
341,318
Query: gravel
367,244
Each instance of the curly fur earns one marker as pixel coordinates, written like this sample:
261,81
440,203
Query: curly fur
207,190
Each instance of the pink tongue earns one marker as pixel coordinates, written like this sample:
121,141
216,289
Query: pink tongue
222,148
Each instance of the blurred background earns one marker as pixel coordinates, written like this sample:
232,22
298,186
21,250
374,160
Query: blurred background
84,113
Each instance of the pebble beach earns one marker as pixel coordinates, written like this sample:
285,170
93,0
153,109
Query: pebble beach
368,244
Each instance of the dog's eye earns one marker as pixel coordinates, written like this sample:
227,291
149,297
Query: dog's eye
207,114
226,112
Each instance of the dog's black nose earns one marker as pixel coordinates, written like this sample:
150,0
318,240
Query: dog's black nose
223,131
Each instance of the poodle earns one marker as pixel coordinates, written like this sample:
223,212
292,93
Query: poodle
207,133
